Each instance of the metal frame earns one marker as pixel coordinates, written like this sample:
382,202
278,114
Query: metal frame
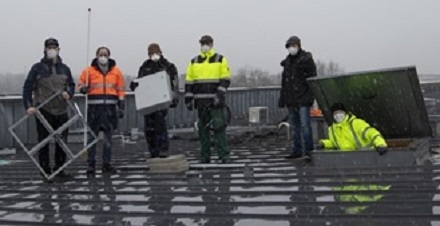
55,135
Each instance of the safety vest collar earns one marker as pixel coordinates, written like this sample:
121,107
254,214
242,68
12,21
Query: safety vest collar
208,54
347,123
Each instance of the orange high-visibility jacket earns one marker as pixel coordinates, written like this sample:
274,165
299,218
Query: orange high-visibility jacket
103,89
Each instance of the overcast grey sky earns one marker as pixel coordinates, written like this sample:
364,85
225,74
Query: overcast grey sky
359,35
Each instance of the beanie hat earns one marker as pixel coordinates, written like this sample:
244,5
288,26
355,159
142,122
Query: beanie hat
154,48
294,40
338,107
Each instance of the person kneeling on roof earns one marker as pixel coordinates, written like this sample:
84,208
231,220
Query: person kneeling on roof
349,133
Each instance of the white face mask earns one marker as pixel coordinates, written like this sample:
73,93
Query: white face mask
205,48
52,53
155,57
292,50
339,117
103,60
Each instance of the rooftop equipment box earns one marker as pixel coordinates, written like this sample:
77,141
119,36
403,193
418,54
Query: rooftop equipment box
154,93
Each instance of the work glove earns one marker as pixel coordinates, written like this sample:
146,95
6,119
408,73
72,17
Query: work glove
84,90
219,99
121,107
190,106
133,85
382,150
319,146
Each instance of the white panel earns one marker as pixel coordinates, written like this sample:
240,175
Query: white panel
153,93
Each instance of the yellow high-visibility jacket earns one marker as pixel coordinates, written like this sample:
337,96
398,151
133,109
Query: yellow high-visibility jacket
353,134
207,74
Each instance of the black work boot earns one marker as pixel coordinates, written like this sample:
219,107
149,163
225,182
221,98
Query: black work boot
294,156
91,169
63,175
163,154
107,168
205,161
308,157
48,171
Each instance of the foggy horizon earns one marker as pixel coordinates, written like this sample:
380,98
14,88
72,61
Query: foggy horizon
358,36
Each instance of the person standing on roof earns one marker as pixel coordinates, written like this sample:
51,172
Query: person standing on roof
349,133
297,96
155,126
104,84
46,78
206,83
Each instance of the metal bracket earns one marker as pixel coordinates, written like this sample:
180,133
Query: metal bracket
55,135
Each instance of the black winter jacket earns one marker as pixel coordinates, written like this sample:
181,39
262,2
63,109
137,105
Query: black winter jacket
150,67
295,91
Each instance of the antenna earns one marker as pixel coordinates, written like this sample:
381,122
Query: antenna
89,15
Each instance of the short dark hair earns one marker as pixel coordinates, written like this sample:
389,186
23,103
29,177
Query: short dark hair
206,39
103,47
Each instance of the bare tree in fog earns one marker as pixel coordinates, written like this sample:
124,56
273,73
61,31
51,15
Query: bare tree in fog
328,69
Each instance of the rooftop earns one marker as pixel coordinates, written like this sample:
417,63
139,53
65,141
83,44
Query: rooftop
259,187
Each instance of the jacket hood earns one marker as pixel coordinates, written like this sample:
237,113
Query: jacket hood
300,53
349,117
111,63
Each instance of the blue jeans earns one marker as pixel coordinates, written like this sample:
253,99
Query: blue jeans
107,149
301,130
102,118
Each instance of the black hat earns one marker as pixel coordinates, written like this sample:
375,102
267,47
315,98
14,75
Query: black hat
338,107
50,42
206,39
292,41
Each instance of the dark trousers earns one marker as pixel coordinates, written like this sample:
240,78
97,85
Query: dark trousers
55,121
102,118
156,133
216,117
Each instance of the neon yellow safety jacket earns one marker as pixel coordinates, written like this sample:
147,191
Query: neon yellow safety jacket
207,74
353,134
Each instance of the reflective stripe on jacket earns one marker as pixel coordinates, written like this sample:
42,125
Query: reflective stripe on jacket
103,88
206,74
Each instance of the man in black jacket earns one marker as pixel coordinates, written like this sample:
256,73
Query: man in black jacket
155,127
46,78
297,96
